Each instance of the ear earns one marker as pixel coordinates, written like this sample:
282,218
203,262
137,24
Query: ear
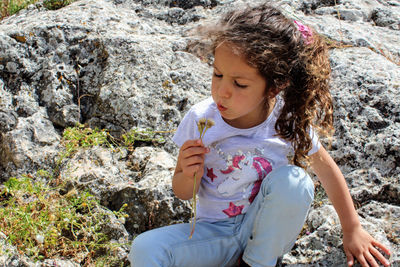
276,90
273,92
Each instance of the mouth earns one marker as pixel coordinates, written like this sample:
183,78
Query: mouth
221,107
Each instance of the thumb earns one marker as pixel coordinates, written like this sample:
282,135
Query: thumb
350,258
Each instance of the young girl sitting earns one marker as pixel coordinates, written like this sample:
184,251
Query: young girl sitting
270,98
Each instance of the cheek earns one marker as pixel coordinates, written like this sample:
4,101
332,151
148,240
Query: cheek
250,100
213,94
213,86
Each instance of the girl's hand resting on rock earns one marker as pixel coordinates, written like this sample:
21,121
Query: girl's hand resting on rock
359,244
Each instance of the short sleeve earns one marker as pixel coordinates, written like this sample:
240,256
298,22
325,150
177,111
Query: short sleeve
187,129
316,144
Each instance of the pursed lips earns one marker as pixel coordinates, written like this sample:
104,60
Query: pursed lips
221,107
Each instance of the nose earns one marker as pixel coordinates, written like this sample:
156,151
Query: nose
224,90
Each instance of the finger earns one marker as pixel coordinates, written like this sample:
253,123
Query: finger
193,169
350,258
362,261
190,143
371,260
379,256
191,151
381,246
193,160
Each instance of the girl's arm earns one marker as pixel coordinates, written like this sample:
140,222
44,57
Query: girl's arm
190,161
356,241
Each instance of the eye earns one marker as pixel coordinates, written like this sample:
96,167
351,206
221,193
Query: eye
240,85
217,75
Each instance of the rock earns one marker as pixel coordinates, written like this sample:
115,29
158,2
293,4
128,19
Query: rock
6,250
351,14
385,216
113,227
190,4
184,4
8,117
371,111
357,26
123,64
322,245
9,257
144,184
31,145
56,262
385,18
309,6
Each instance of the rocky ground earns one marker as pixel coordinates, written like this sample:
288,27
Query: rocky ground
124,64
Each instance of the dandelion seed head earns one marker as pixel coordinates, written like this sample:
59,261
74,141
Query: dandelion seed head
201,124
204,124
210,123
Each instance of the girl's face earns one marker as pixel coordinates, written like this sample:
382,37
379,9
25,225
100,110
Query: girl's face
238,89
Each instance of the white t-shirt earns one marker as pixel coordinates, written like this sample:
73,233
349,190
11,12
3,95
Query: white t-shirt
238,161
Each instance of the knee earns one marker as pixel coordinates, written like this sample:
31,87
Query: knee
140,246
291,185
143,249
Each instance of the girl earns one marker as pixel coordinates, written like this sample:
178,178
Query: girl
269,99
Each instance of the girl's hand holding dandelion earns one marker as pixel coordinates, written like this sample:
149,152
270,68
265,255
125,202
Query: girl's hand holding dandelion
190,165
202,126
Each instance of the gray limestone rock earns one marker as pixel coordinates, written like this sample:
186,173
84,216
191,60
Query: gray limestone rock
322,244
386,18
369,112
121,64
142,181
31,145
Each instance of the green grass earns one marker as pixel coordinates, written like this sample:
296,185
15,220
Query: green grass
10,7
81,137
129,139
57,4
42,223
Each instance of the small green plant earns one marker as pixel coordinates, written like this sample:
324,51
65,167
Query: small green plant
57,4
320,196
10,7
42,223
141,135
81,136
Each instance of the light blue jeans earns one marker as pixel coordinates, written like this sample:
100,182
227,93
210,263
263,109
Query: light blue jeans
268,229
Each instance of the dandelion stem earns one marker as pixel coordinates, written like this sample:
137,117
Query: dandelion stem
193,207
203,125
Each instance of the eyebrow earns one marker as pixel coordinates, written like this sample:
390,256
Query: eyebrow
236,76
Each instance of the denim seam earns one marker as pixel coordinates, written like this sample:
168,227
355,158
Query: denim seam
253,263
256,220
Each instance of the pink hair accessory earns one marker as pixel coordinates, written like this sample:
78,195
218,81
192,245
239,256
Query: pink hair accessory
305,32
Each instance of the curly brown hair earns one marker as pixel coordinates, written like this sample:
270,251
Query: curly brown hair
299,69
